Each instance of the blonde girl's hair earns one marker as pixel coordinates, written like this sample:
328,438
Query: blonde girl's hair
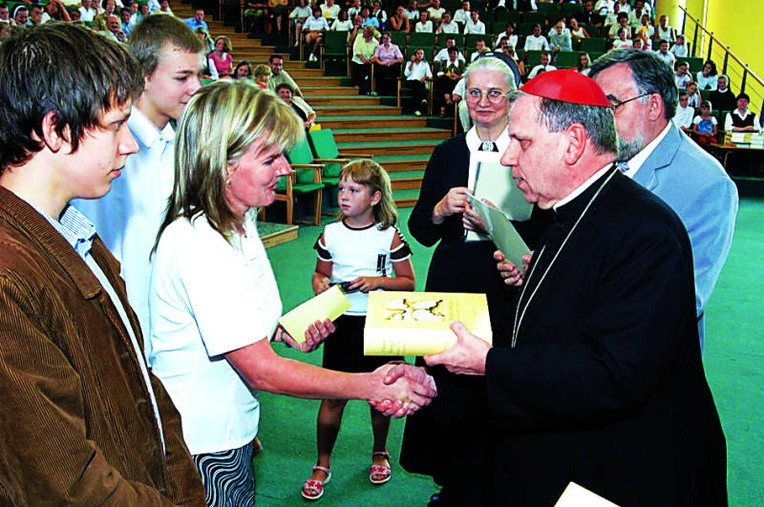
220,123
367,172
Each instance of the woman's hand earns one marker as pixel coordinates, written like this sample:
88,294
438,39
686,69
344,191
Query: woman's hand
455,201
314,336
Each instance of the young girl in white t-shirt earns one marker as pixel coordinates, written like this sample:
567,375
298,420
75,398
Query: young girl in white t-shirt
360,251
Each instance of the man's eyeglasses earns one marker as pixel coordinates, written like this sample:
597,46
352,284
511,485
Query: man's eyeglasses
494,95
615,104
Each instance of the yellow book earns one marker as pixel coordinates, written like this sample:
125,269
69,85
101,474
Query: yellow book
418,323
330,304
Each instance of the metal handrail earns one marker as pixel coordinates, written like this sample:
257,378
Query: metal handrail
756,88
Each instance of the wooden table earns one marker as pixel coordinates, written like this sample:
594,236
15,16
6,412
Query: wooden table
723,152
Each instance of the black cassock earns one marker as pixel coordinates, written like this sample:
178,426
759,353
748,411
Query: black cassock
605,385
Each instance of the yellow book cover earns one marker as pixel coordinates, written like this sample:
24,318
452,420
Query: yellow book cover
418,323
330,304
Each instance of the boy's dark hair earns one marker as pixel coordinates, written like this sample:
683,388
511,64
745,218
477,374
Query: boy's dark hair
65,69
151,35
274,56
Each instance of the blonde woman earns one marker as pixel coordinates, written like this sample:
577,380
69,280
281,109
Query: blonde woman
214,301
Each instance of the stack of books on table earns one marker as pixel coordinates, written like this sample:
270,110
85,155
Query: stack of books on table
745,139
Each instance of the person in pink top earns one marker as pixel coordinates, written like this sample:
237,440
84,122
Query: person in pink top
221,57
387,61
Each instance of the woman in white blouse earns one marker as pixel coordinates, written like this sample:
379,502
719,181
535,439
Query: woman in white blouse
214,302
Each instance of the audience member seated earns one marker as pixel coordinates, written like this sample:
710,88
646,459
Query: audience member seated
704,126
209,43
536,41
664,54
707,77
682,76
299,14
314,28
480,48
508,35
742,119
399,21
694,94
243,70
378,12
197,21
55,10
722,98
684,113
387,61
360,63
278,13
367,18
220,61
298,105
461,16
543,66
87,11
442,55
330,11
577,32
449,72
412,12
583,63
447,25
623,41
590,16
664,31
424,25
262,74
560,40
622,21
100,22
474,25
417,72
680,48
342,23
435,12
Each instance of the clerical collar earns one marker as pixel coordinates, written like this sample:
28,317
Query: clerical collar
582,188
635,162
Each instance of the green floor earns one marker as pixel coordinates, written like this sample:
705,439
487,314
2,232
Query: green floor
733,357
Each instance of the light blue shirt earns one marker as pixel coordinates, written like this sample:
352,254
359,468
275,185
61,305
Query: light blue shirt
129,216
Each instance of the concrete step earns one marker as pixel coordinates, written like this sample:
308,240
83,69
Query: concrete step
406,179
399,134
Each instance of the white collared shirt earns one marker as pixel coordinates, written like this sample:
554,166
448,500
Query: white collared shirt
210,297
635,163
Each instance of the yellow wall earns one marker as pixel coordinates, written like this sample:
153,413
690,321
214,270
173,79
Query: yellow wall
734,23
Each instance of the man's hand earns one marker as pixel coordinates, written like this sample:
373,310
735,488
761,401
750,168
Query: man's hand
466,357
418,389
508,271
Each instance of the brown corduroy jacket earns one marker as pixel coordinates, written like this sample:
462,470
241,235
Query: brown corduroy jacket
76,422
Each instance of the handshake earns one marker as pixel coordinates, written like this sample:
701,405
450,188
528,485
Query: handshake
405,389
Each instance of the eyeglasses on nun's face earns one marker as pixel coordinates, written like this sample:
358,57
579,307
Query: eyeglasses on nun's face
493,95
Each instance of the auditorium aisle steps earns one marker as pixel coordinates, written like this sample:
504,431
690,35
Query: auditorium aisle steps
401,143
